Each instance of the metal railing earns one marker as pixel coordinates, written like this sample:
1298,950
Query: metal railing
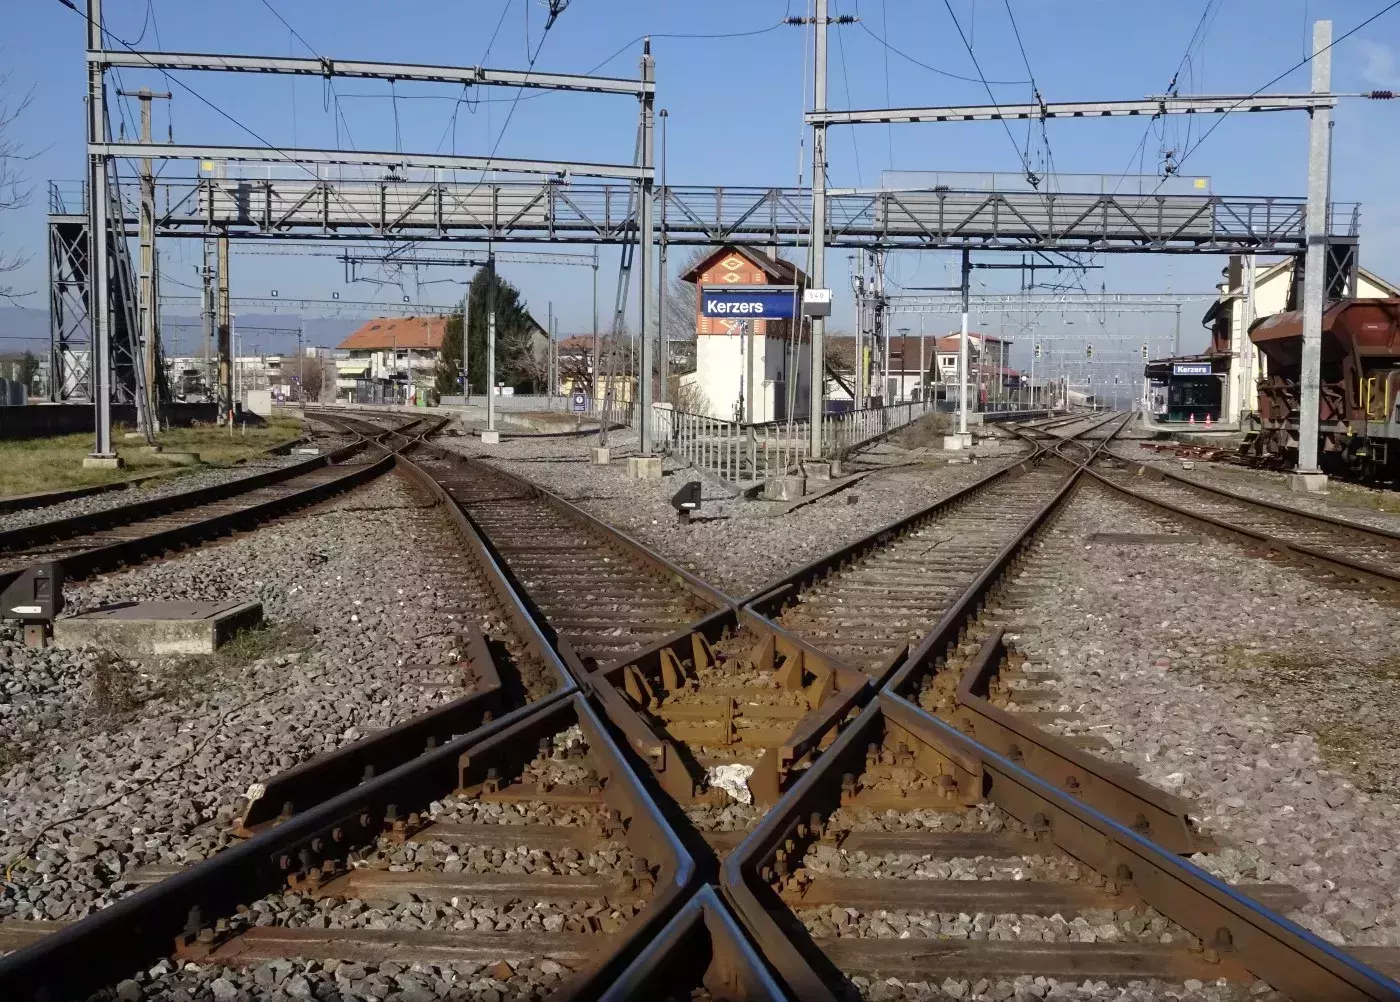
735,452
748,453
843,433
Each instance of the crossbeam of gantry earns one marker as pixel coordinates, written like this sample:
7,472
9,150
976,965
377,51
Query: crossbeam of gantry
597,212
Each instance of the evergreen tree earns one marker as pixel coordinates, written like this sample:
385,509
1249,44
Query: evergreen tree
513,327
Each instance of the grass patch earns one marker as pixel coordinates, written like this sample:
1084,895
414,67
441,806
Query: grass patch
927,431
1343,702
48,464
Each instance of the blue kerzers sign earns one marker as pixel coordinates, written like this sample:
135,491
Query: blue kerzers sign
1191,369
749,304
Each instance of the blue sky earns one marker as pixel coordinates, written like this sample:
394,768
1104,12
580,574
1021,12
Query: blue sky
735,105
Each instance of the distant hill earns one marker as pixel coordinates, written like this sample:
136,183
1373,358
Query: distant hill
28,329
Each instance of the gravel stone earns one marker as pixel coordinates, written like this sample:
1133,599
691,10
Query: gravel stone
1267,697
738,544
156,756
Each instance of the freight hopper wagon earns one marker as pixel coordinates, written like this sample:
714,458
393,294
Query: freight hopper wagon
1359,416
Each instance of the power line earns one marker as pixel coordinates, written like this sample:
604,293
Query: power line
935,69
846,78
1025,161
339,115
1298,65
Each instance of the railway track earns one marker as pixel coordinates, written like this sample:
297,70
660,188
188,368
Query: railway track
111,537
885,839
1346,550
602,595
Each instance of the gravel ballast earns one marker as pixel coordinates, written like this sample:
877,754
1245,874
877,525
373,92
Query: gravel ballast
1249,686
499,980
156,756
737,544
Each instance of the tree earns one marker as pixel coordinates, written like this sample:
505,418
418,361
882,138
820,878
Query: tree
514,330
14,190
313,377
448,373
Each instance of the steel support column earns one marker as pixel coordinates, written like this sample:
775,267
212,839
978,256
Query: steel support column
491,340
962,344
817,269
645,238
663,279
1314,268
225,335
99,292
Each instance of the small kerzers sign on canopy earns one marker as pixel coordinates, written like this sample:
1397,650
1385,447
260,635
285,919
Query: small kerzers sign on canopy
1191,369
765,302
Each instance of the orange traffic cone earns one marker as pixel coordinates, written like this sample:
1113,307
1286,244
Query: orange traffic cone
1207,420
1192,418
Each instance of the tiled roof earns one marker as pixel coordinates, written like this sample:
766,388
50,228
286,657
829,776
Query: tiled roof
419,333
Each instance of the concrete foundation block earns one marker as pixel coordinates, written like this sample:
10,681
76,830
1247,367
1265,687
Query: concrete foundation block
644,467
306,450
1307,483
103,462
133,629
490,438
817,470
958,440
784,488
600,455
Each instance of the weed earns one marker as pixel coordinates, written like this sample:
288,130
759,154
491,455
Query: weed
196,673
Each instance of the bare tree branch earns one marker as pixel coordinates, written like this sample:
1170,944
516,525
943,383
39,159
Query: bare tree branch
15,192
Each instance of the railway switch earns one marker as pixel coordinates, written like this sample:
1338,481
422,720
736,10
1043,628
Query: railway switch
35,598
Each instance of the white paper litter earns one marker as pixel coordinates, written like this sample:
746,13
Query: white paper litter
733,779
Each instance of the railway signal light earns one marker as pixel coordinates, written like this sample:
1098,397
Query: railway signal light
1037,349
1088,351
1144,353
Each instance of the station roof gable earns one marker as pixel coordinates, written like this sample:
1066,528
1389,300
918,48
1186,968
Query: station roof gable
779,272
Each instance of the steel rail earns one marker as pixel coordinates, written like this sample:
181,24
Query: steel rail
108,518
648,563
1370,533
315,844
108,554
702,947
1386,578
1237,932
328,774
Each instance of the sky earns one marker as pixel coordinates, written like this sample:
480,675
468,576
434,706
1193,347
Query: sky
735,82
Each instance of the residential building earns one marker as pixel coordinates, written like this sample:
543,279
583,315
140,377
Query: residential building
391,358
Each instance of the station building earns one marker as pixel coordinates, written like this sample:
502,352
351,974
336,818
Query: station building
728,385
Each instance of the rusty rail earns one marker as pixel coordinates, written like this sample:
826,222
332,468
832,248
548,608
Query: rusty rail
702,947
